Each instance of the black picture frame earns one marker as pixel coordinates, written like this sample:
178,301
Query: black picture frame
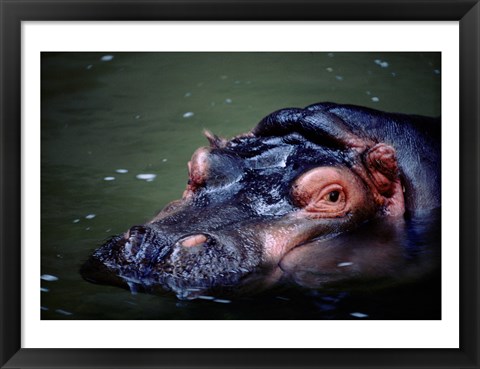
467,12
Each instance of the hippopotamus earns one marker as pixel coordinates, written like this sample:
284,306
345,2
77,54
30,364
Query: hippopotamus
312,195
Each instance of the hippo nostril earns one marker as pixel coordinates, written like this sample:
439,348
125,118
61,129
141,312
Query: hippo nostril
137,232
134,237
193,240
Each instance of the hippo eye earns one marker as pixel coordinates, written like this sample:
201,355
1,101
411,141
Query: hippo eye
333,196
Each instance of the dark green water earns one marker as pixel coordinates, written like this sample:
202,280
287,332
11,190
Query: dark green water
144,113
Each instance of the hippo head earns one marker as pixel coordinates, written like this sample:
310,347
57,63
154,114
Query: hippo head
300,177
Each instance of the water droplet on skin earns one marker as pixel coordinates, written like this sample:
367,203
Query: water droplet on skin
339,78
206,297
122,171
164,160
344,264
188,114
90,216
137,116
375,99
221,301
188,94
109,179
228,101
76,220
133,288
329,69
106,58
48,277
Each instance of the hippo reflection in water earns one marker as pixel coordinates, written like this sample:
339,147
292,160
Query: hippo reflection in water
318,196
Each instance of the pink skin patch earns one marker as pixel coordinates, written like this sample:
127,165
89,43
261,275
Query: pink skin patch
193,240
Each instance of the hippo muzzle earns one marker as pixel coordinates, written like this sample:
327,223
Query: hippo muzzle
300,178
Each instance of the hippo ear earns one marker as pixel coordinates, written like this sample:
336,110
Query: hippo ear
382,168
215,141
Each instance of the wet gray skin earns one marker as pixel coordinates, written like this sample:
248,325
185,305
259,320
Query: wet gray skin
238,227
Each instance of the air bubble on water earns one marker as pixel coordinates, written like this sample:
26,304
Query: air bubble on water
146,176
138,116
436,71
331,55
381,63
375,99
75,220
282,298
43,289
228,101
90,216
89,66
188,94
221,301
394,74
347,263
339,78
223,77
164,160
368,92
359,315
106,58
63,312
122,171
87,229
203,297
48,277
237,82
329,69
109,179
188,114
43,308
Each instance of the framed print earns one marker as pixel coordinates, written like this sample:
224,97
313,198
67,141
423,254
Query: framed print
239,184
